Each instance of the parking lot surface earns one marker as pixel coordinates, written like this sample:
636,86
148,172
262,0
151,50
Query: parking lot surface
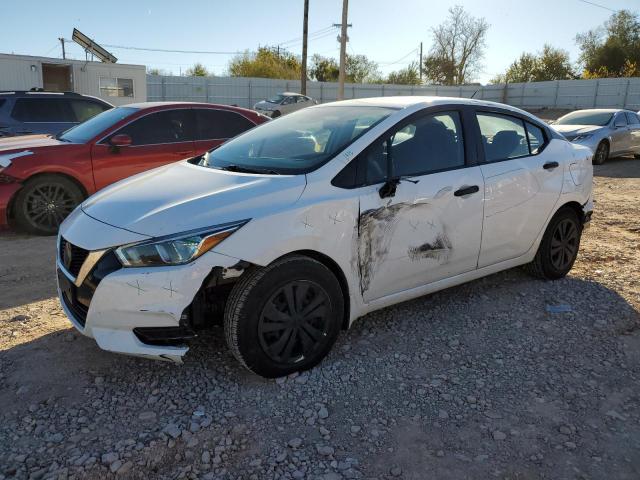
505,377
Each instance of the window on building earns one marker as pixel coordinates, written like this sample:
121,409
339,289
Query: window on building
116,87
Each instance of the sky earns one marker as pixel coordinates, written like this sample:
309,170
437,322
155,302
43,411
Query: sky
387,31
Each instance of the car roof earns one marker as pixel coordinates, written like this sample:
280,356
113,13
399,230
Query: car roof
601,110
292,94
428,101
159,105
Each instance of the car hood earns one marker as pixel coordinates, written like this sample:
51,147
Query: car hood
181,197
28,141
572,130
264,105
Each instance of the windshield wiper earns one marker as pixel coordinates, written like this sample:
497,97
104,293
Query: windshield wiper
240,169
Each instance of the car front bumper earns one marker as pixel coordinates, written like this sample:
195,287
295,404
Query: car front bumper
134,311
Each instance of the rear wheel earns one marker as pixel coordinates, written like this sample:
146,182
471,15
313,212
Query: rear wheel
44,202
276,114
559,247
602,153
285,317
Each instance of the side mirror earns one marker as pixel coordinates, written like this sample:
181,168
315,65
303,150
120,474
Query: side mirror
121,140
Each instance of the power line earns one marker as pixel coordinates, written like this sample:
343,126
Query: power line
164,50
415,50
328,29
598,5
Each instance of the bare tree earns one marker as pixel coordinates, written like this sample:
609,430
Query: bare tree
457,50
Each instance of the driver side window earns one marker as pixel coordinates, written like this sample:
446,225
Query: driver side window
427,144
170,126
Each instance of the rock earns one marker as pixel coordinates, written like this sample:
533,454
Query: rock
295,442
323,413
109,458
355,428
498,435
442,414
172,430
206,457
147,416
395,471
115,466
325,450
125,468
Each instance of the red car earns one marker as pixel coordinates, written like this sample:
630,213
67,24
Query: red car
43,178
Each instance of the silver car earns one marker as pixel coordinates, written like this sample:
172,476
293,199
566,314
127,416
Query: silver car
283,103
607,132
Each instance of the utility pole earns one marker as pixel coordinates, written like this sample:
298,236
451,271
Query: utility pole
305,31
64,55
420,66
343,49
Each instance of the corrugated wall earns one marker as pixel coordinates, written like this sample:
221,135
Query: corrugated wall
245,92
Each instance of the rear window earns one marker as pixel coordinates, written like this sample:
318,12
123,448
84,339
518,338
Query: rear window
42,110
85,109
219,124
632,118
2,102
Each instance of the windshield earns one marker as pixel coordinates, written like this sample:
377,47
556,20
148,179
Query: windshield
276,99
297,143
85,131
586,118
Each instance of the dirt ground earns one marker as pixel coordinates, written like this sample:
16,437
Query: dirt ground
482,380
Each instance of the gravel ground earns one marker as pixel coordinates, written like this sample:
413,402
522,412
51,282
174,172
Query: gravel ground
505,377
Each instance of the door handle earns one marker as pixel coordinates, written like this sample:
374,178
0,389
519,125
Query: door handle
466,191
550,165
186,152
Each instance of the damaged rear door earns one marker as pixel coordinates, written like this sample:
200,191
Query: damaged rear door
421,209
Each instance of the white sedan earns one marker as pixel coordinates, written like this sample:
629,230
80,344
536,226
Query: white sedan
295,229
283,103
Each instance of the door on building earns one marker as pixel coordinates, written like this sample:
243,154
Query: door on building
57,78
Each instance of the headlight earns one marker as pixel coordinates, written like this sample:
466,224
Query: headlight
175,249
584,136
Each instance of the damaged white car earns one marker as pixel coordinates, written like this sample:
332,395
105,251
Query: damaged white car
293,230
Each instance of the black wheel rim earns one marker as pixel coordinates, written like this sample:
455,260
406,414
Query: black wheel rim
564,244
294,322
48,205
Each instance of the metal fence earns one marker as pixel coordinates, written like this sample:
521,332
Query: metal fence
245,92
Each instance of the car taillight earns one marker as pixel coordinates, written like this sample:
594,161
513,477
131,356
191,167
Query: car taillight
7,179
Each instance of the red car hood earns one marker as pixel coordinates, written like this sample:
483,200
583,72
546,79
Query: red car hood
28,141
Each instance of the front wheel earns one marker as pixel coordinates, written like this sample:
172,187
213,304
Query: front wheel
44,202
285,317
559,247
276,114
602,153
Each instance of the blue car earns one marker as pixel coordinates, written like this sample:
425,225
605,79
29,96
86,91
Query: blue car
38,112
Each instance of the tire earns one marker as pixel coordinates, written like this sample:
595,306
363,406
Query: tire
559,247
276,114
260,329
636,156
602,153
44,202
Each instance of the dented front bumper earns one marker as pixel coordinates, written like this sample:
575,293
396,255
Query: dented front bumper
134,311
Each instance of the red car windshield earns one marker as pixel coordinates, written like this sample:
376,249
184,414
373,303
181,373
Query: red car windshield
85,131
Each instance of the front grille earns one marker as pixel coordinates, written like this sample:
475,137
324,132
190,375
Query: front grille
72,257
78,310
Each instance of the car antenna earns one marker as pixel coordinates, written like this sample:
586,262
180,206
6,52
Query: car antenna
474,93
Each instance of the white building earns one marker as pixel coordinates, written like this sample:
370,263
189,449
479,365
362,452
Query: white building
116,83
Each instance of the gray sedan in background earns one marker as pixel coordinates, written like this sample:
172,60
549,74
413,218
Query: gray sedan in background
608,132
283,103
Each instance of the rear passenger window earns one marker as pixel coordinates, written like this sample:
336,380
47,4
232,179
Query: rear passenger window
220,124
2,101
503,137
85,109
536,138
42,110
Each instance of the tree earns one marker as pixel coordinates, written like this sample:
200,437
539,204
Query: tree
198,70
406,76
359,69
324,69
612,50
158,71
457,50
550,64
267,62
